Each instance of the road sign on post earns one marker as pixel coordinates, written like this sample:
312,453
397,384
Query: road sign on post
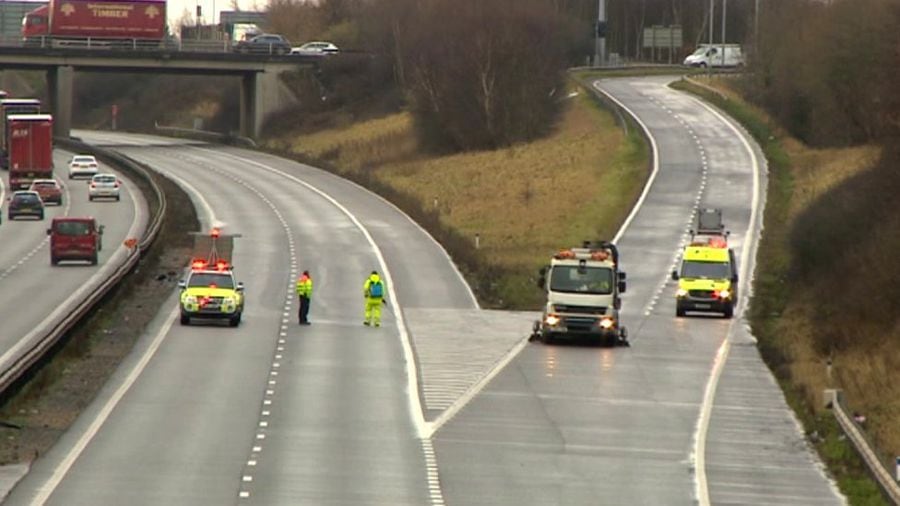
662,37
115,115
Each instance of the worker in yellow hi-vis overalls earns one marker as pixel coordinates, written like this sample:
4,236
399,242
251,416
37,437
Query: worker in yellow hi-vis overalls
373,291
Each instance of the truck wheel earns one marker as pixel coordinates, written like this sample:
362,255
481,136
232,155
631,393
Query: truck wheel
679,311
729,311
235,320
53,260
90,198
41,216
94,259
185,319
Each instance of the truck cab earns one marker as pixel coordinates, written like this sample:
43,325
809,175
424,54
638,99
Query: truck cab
583,287
73,238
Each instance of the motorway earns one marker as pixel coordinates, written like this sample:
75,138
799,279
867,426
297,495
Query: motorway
444,404
34,294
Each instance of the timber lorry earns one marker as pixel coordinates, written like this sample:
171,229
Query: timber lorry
30,148
10,106
125,24
583,287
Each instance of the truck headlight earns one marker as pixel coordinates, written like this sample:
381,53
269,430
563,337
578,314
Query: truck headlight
681,292
189,299
551,320
228,301
607,323
724,294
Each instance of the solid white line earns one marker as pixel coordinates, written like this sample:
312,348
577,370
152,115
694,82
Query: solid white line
450,412
655,149
63,468
415,405
701,486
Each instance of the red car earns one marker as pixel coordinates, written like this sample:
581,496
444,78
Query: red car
48,189
75,239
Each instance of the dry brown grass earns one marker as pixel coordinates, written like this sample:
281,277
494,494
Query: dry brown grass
525,201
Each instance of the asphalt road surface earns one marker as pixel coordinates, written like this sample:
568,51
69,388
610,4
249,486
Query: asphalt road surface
445,403
579,425
32,292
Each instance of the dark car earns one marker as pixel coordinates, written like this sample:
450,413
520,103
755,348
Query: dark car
26,203
266,43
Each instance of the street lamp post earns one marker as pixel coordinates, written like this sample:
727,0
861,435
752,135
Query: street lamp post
712,9
724,10
600,45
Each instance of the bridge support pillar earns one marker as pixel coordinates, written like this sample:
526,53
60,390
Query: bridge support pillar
60,81
251,105
262,93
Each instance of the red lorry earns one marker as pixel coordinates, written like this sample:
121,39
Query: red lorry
104,23
13,106
30,148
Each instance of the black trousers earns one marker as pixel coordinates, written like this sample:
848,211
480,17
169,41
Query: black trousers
304,309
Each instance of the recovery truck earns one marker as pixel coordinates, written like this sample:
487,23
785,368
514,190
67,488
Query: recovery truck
707,275
9,106
210,290
126,24
30,148
583,287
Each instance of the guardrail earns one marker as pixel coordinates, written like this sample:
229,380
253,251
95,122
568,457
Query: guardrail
878,469
45,339
168,45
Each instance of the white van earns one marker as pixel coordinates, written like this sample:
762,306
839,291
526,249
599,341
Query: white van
706,56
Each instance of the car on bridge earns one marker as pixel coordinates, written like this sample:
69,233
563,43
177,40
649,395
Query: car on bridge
267,43
316,48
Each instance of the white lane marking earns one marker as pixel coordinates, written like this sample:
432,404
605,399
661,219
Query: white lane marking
649,183
460,402
209,214
701,487
415,406
63,467
69,460
417,225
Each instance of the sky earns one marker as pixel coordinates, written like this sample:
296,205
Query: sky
176,8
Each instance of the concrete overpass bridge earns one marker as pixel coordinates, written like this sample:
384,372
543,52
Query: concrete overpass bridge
258,73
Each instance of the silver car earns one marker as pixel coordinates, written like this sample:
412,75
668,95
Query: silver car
104,186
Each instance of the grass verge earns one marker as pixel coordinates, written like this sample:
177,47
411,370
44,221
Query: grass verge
500,214
797,175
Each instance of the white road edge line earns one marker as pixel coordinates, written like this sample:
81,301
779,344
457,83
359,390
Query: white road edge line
655,149
415,405
700,433
62,469
462,401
